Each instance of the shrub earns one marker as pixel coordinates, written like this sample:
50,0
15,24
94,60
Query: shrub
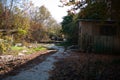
5,44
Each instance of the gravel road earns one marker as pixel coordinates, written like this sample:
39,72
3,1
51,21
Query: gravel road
40,71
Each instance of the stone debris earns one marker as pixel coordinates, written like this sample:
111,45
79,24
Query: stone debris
8,62
40,71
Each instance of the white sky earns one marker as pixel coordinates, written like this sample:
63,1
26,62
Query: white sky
52,6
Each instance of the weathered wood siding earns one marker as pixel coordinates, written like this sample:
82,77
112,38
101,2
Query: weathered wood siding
90,38
105,44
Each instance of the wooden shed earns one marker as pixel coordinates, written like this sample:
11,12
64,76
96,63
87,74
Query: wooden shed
99,36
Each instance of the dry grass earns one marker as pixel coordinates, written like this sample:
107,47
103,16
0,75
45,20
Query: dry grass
87,66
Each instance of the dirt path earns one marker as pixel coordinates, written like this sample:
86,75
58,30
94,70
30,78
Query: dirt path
40,71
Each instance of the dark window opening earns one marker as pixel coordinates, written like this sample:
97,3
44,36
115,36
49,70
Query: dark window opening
108,30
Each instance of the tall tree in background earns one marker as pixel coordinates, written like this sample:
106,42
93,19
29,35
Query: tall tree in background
13,17
43,24
102,9
96,10
87,9
22,16
70,28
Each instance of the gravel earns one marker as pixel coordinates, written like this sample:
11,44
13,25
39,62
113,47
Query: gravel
40,71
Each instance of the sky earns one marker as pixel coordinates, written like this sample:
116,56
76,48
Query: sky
52,6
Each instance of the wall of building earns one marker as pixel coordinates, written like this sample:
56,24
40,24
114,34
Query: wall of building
90,35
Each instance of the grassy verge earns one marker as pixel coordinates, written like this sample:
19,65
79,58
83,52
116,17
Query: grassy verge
40,48
15,50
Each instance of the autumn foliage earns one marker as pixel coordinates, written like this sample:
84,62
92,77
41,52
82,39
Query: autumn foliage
23,22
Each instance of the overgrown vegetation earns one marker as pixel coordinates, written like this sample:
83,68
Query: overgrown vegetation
40,48
93,10
15,48
21,21
70,28
5,44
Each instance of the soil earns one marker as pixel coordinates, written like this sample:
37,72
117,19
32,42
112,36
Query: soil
87,66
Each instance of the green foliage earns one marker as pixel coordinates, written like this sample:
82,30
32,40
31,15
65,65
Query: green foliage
1,8
94,11
5,44
39,48
14,18
16,48
31,50
55,30
21,24
70,29
22,32
29,24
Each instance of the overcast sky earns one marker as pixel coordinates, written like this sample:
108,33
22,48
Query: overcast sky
52,6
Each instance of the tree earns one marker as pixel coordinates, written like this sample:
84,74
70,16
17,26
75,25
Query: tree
70,29
96,11
36,32
41,15
14,18
43,24
77,4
